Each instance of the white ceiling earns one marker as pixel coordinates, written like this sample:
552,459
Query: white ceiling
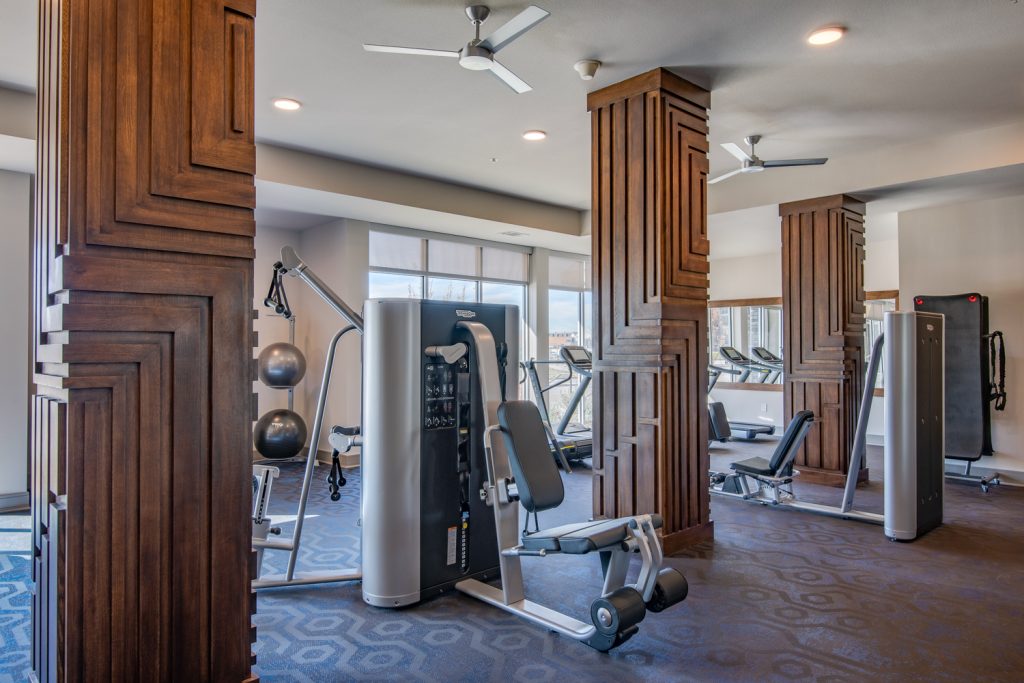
908,69
912,68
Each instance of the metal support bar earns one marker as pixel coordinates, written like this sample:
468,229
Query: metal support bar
860,438
291,545
295,267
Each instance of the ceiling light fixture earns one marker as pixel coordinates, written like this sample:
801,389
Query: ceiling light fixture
826,36
287,104
534,135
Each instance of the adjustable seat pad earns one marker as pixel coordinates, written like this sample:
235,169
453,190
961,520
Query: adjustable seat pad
540,486
786,444
584,537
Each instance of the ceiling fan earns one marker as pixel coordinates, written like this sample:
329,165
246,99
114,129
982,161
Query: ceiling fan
478,55
754,164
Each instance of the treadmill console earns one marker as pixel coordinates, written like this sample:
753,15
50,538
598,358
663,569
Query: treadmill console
577,357
732,354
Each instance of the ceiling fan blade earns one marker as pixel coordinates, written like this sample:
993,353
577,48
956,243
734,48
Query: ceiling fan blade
724,176
780,163
511,80
736,151
394,49
517,26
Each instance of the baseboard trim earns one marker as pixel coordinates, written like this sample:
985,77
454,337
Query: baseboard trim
14,502
348,460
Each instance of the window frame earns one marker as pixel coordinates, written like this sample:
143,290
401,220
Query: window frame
479,279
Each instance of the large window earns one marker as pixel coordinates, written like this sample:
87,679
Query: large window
570,321
408,266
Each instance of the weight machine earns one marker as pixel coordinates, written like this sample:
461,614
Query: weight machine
914,437
341,439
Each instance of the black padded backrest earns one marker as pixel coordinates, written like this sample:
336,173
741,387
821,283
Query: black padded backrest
529,455
968,421
789,438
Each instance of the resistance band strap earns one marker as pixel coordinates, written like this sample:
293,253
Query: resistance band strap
997,380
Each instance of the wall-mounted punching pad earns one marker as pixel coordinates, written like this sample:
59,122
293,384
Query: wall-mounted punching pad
968,422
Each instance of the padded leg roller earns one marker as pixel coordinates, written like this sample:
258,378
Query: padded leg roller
670,589
615,617
731,484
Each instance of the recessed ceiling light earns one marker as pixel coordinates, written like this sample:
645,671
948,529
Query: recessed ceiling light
827,35
534,135
287,104
513,233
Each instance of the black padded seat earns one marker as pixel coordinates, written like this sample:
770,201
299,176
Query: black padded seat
753,466
788,442
583,537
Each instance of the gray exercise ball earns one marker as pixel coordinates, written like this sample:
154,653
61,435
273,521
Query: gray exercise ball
281,365
280,434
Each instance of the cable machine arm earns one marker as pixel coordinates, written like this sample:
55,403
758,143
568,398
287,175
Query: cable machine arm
292,265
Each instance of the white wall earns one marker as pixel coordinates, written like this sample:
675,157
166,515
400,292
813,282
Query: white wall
881,251
976,247
15,231
271,328
747,277
338,252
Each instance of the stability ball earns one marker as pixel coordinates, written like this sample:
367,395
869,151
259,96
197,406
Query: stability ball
280,433
281,365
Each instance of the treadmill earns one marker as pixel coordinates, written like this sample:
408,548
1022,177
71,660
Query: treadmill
761,355
720,427
745,365
569,441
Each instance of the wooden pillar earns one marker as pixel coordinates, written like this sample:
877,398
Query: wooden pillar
650,274
141,433
823,327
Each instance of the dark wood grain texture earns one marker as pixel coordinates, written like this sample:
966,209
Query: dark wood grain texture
762,301
823,327
143,341
650,266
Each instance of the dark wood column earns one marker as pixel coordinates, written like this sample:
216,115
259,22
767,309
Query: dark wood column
650,274
823,327
143,341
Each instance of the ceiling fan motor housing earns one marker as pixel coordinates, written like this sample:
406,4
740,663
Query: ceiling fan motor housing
475,58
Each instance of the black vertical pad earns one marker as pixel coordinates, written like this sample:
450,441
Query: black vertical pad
968,426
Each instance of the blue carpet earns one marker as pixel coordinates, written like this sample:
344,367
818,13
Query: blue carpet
15,617
779,596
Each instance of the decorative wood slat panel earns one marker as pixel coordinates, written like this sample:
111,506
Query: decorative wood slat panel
823,329
143,346
650,275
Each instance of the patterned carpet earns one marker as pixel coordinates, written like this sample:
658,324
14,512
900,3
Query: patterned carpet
15,598
780,595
